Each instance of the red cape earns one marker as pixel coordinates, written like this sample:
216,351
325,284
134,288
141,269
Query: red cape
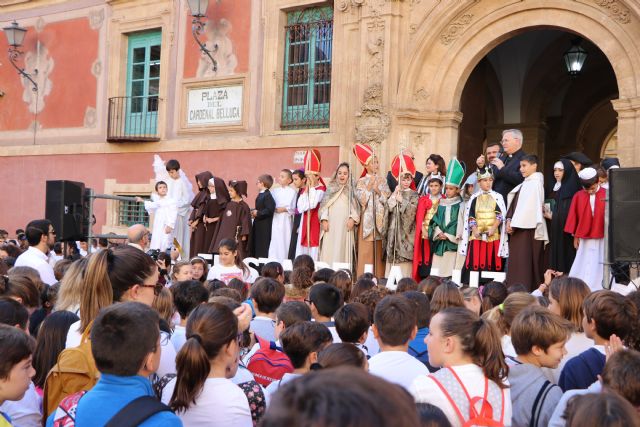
581,222
314,223
421,245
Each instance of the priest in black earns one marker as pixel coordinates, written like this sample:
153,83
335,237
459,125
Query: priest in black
506,168
262,218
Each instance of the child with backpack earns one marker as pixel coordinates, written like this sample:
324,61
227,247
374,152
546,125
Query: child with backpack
266,295
301,343
203,394
538,337
15,369
606,313
125,343
471,388
266,360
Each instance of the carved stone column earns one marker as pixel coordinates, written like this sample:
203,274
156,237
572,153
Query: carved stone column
628,130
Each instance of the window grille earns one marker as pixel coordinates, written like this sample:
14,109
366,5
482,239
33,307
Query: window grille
307,69
130,213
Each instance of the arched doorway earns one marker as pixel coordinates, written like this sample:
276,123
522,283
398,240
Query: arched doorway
523,83
446,55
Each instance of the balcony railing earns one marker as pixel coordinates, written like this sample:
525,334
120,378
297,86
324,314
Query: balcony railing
133,118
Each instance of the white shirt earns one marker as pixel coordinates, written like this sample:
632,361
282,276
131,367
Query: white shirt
507,346
425,390
221,403
557,418
179,337
226,274
398,367
274,386
35,258
25,412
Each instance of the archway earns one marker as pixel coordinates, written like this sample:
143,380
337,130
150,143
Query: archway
441,66
522,83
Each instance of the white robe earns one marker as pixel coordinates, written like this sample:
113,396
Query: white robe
306,202
285,197
181,191
588,263
165,214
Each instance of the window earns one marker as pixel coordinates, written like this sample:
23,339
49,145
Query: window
307,69
130,213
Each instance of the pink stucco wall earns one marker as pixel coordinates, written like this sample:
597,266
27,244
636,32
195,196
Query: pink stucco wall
24,178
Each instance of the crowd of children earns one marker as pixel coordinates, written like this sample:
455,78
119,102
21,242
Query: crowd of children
121,338
494,356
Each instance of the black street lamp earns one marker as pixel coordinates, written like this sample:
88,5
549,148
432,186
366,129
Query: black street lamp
574,57
15,36
198,11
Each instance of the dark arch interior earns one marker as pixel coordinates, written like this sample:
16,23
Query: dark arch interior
522,83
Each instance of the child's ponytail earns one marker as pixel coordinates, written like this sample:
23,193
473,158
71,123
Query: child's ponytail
480,340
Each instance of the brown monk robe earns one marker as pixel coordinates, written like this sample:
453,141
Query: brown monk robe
235,222
196,220
218,199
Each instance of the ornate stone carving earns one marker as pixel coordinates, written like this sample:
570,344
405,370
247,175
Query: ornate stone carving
96,18
616,10
455,29
344,5
90,117
372,121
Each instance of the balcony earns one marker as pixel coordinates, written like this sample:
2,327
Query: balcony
133,119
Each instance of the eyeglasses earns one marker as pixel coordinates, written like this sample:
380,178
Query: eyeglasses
157,288
53,232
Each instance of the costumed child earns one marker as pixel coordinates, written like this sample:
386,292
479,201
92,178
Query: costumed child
402,205
165,213
179,188
299,184
308,205
566,185
284,197
427,208
236,220
527,227
586,223
484,240
339,215
229,265
262,218
447,225
196,220
372,193
218,199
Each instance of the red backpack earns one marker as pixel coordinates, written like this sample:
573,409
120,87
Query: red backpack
466,405
269,363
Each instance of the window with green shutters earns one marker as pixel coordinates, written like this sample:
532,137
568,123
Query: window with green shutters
307,68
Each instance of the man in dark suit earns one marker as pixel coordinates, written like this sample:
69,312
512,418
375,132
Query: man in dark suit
391,181
506,167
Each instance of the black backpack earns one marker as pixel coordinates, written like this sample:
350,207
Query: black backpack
137,411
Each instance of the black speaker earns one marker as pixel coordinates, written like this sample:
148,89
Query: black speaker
624,215
65,209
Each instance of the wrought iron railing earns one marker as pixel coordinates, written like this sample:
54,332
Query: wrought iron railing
133,118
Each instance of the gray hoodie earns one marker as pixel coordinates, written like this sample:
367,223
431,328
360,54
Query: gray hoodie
527,382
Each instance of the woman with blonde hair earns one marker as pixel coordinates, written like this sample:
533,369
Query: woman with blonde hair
71,286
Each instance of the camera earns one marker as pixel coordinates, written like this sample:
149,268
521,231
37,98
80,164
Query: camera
154,253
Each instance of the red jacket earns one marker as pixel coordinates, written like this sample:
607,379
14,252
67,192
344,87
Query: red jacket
420,245
311,217
581,222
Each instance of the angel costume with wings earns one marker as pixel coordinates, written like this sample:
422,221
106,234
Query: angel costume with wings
181,191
